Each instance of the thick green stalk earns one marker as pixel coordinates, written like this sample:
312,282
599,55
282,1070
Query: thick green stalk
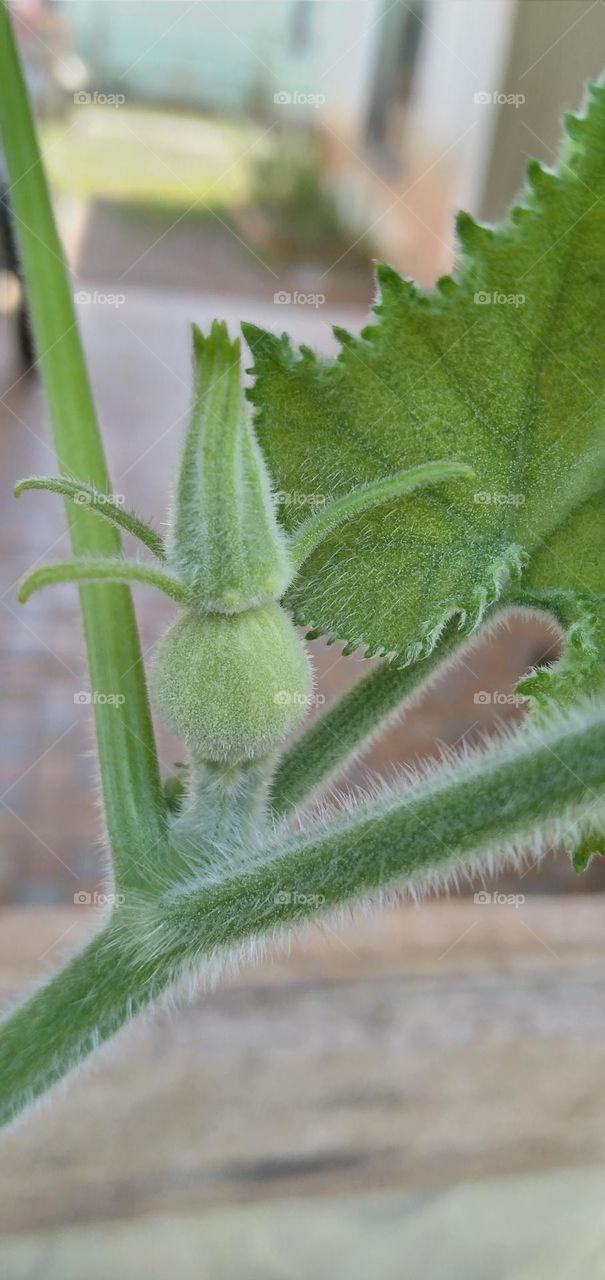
127,755
529,790
347,727
70,1017
526,790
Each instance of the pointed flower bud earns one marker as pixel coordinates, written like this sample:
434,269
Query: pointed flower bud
224,541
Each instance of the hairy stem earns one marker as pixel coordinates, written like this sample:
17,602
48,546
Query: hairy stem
527,789
223,813
127,755
530,789
70,1017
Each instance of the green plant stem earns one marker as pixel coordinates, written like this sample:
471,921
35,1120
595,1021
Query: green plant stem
127,756
535,784
223,811
349,726
64,1021
534,787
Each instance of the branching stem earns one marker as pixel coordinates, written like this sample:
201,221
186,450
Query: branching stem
530,789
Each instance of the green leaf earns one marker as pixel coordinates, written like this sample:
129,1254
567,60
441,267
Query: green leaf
512,386
584,649
589,846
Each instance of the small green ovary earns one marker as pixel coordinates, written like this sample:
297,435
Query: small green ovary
232,686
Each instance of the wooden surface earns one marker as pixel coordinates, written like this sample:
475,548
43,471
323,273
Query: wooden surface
423,1083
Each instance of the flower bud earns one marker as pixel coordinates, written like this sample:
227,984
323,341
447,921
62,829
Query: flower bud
224,540
232,686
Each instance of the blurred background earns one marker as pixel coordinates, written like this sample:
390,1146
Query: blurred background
416,1091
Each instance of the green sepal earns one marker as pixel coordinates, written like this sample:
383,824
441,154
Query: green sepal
312,531
85,496
102,569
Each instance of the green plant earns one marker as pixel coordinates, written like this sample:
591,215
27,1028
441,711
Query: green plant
207,864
